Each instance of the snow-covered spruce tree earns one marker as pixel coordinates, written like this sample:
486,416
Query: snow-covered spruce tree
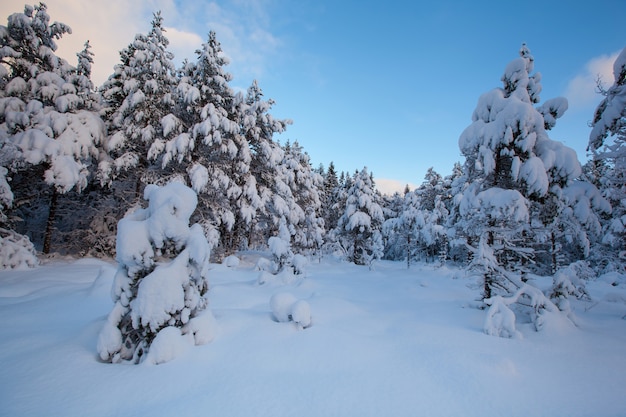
329,190
393,206
49,135
259,126
307,227
607,143
211,151
359,228
161,283
416,232
512,168
400,231
138,105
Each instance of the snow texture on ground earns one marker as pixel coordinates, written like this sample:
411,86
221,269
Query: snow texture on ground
385,342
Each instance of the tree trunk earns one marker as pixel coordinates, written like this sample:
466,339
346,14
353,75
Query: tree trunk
487,286
553,252
408,253
47,239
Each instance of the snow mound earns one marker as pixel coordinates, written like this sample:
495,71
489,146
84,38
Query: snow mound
231,261
301,314
286,307
281,304
168,344
202,327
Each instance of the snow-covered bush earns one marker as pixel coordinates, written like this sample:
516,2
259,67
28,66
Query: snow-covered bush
281,304
281,252
286,307
570,281
231,261
161,281
263,264
301,314
280,247
16,251
299,263
500,320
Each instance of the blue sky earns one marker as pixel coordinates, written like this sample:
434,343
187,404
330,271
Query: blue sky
388,85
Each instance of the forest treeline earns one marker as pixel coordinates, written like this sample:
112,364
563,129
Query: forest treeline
74,159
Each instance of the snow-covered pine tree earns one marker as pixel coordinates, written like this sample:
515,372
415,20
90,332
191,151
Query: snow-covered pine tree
330,189
400,230
416,232
307,225
161,284
511,168
607,143
359,228
138,103
46,128
211,150
393,206
259,126
430,189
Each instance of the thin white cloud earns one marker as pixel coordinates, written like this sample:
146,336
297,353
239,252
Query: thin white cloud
582,90
390,186
183,44
108,25
242,27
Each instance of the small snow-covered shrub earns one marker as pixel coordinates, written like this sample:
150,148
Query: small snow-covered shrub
281,252
231,261
286,307
500,319
161,282
301,314
203,328
543,313
263,264
16,251
570,281
299,263
167,345
281,304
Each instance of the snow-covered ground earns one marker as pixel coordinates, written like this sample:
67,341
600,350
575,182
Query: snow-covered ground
387,342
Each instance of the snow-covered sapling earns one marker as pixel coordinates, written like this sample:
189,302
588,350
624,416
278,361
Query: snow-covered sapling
500,320
280,247
161,281
299,263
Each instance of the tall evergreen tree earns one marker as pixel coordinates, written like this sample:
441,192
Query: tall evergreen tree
49,137
359,228
607,143
305,185
138,104
512,168
259,126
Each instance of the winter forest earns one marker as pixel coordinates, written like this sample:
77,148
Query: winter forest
165,171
